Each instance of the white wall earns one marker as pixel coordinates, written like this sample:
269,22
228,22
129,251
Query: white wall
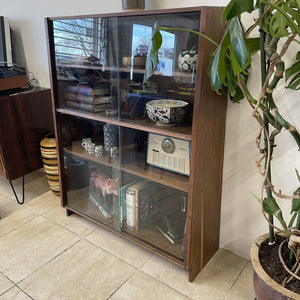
241,221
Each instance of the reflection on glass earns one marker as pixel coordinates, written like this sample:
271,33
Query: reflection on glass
91,168
141,37
80,40
114,172
166,54
82,58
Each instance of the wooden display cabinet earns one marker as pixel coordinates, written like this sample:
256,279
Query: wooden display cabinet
98,95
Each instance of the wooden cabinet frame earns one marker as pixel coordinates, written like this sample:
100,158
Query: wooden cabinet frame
207,143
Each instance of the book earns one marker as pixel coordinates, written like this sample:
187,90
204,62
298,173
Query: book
86,106
131,194
145,196
140,204
88,99
122,202
87,90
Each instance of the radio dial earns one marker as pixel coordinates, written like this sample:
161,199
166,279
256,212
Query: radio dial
168,145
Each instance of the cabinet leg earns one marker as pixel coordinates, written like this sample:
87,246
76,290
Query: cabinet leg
23,194
68,212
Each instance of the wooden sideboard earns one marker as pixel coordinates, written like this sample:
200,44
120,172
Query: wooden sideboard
25,119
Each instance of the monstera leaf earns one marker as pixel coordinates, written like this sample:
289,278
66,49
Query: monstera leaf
292,74
284,20
232,57
236,8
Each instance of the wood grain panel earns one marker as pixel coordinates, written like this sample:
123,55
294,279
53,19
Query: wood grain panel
9,140
206,156
25,119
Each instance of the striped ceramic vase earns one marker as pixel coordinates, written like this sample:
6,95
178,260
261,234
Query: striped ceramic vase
49,157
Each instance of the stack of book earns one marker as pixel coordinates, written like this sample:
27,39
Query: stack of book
84,97
140,203
136,200
144,204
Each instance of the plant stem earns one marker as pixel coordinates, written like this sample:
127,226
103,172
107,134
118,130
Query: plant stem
292,256
265,119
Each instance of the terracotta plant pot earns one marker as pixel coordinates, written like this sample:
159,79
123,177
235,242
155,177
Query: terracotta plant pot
49,157
265,287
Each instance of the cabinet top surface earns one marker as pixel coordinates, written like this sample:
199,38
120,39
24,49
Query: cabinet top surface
137,12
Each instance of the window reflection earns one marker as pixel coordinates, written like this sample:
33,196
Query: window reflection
141,37
80,40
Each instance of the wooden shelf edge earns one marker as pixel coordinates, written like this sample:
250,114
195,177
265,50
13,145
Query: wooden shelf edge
184,132
122,69
169,178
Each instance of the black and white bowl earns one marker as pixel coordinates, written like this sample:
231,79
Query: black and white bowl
166,112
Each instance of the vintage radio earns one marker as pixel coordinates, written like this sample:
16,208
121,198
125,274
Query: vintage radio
169,153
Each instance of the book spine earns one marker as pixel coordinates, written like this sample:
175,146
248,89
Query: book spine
80,90
86,90
122,206
130,209
86,107
81,98
137,209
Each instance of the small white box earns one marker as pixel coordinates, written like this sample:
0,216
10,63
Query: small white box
169,153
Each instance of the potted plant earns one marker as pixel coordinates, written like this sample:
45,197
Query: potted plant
277,24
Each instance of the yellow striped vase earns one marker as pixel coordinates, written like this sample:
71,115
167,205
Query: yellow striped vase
49,157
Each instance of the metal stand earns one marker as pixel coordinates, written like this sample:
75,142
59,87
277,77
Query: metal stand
23,194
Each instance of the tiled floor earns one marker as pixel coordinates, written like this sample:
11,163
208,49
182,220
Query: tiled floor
46,255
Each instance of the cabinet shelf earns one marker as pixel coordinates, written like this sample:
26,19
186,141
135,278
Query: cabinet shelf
122,69
136,166
150,238
181,132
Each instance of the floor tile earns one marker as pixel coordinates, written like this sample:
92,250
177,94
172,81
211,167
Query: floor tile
35,185
29,247
213,282
7,206
15,220
15,294
142,286
75,223
5,284
43,203
123,249
5,188
82,272
38,174
243,287
41,251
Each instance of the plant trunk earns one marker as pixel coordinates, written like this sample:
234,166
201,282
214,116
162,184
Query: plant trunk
266,122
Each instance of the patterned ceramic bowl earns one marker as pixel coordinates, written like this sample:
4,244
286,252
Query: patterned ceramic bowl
166,112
